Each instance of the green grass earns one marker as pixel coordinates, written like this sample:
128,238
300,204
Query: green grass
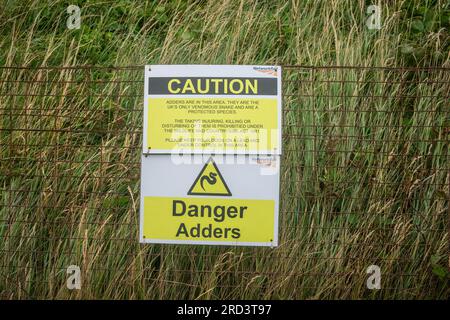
364,179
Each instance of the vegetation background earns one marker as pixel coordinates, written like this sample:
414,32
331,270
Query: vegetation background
365,170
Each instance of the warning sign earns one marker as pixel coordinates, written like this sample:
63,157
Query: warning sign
218,109
203,177
210,200
210,182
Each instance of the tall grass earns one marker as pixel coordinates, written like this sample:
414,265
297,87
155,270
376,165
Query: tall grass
364,178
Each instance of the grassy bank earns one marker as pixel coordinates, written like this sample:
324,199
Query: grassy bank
365,165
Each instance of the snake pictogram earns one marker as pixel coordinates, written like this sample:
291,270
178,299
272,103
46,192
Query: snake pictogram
211,179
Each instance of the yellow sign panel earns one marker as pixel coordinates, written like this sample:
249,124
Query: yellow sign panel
225,124
208,219
210,182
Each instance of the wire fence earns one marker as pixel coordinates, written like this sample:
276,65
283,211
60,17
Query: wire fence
364,181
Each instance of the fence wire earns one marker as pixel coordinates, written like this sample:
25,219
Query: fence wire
364,181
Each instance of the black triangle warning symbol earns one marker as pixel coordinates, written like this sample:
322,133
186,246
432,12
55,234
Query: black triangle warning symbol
209,182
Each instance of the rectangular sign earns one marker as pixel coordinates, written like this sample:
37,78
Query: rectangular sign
215,200
219,109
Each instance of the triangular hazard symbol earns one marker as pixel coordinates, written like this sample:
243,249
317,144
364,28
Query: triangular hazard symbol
209,182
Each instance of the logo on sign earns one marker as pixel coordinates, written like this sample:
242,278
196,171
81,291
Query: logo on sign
209,182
